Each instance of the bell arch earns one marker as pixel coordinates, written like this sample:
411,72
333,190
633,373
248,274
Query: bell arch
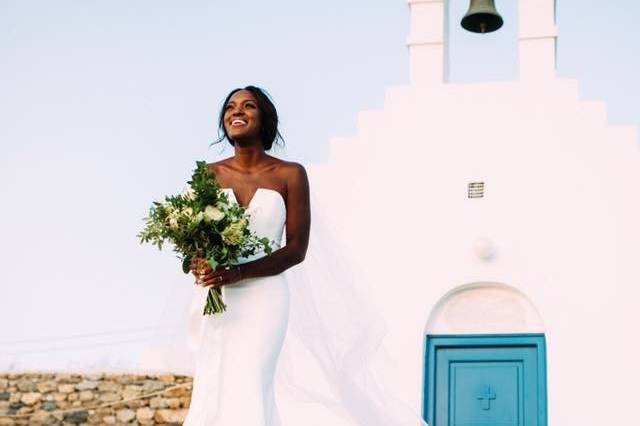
428,41
484,308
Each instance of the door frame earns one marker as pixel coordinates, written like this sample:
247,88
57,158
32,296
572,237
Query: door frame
438,341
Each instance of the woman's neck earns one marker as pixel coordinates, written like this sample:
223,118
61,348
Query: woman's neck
249,157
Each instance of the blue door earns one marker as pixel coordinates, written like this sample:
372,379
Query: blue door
487,380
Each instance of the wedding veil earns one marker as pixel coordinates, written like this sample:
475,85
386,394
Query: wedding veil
329,368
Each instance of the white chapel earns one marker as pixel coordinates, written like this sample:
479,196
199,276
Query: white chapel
500,222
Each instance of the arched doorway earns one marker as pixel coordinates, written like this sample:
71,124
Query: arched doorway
485,359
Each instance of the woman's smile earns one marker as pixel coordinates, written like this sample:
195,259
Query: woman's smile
242,116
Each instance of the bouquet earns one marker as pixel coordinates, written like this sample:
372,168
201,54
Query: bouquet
201,222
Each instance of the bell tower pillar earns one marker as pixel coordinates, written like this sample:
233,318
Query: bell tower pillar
427,42
537,39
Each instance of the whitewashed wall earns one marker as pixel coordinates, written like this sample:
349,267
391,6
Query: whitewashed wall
560,213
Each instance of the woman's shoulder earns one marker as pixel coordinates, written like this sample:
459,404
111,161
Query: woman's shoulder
219,163
289,166
219,167
291,170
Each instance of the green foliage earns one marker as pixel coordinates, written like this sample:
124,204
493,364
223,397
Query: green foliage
202,222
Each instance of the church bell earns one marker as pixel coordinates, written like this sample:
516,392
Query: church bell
482,17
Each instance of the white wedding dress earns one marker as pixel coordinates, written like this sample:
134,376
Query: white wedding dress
238,350
301,347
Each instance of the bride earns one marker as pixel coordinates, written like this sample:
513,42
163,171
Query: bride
247,338
327,369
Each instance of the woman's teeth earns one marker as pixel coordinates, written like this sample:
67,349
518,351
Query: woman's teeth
238,123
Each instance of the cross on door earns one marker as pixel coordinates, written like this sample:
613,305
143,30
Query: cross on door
486,398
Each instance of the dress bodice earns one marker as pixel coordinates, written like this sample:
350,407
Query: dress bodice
267,216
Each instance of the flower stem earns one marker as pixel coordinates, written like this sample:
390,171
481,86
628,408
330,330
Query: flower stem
214,304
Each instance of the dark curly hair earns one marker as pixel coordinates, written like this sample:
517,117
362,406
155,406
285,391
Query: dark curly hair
269,133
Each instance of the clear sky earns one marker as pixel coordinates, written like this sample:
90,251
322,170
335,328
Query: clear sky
105,105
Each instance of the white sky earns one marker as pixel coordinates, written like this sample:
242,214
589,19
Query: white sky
105,105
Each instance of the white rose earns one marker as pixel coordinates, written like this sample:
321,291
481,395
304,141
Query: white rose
212,213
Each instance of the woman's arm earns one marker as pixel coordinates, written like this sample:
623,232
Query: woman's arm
298,226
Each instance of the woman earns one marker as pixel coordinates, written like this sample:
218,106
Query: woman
326,372
233,382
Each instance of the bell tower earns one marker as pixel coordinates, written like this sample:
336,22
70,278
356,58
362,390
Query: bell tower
428,40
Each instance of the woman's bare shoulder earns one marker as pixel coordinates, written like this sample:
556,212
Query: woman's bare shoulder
216,166
290,169
293,173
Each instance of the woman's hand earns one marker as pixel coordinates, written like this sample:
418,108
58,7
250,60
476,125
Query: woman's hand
222,276
207,277
200,267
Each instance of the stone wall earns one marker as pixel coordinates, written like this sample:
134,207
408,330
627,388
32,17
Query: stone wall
94,399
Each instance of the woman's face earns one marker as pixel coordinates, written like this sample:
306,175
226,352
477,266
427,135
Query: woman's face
242,116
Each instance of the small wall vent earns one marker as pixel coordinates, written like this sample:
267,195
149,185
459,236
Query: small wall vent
475,190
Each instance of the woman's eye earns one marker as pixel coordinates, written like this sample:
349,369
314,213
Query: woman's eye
250,105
